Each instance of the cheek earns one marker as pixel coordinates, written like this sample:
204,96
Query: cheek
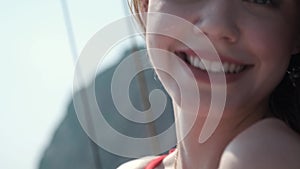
269,38
159,58
164,68
157,41
167,6
269,44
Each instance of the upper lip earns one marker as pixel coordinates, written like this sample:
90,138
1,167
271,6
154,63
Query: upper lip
212,56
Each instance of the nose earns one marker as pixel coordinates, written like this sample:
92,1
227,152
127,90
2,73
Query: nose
217,19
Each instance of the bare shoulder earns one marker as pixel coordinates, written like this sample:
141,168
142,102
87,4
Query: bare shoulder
268,144
137,164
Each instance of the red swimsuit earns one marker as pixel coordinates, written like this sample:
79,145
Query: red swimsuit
154,163
157,161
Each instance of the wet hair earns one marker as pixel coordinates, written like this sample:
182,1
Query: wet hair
284,101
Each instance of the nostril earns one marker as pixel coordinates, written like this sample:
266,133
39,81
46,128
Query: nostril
228,36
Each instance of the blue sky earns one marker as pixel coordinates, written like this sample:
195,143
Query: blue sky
36,70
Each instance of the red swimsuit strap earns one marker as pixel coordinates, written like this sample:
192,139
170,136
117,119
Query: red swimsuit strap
154,163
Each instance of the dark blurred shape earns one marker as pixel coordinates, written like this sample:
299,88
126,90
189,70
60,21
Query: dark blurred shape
71,148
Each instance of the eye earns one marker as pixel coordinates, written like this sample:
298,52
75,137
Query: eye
270,3
262,2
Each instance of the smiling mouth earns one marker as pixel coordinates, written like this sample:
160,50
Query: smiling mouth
212,66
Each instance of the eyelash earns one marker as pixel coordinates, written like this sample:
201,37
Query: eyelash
272,3
269,2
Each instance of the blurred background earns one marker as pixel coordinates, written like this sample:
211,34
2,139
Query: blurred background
40,41
37,70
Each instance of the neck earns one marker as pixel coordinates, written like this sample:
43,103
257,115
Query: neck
206,155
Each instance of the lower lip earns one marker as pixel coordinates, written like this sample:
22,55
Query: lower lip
203,76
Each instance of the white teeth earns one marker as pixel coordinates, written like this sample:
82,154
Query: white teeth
190,59
196,61
232,68
201,65
226,67
207,64
215,67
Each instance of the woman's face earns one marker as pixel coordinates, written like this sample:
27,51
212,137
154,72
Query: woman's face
253,38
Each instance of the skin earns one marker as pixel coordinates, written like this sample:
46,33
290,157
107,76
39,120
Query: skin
248,32
261,35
